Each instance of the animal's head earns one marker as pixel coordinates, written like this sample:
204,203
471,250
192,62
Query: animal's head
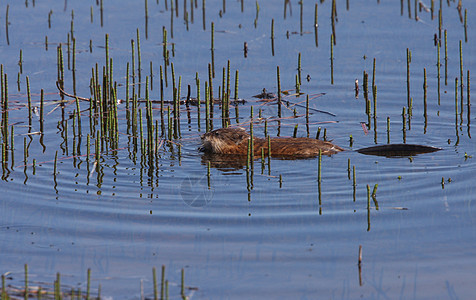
217,141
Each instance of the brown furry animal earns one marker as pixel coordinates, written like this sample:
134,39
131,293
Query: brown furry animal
235,141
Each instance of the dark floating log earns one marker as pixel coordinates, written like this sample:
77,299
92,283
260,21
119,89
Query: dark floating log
397,150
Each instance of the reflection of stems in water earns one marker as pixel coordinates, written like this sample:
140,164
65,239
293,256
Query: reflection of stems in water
203,14
12,147
146,21
319,196
424,99
375,129
56,184
6,25
388,129
272,37
208,174
319,164
348,168
360,265
301,4
469,104
269,155
251,140
354,184
257,14
262,161
55,163
404,122
368,207
332,59
438,66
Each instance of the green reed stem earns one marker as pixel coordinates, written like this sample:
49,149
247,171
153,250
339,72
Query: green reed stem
154,281
236,84
279,91
182,285
408,76
299,68
456,97
55,169
373,73
461,69
210,82
446,58
465,25
29,97
139,59
162,282
316,26
438,67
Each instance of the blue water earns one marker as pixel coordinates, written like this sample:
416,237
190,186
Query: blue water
274,232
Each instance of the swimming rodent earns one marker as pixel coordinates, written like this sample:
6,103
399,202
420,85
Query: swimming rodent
234,140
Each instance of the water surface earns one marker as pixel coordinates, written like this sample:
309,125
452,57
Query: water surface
275,231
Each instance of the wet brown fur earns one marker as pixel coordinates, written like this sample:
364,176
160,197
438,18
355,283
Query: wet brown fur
235,141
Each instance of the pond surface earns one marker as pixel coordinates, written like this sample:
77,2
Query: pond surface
268,230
